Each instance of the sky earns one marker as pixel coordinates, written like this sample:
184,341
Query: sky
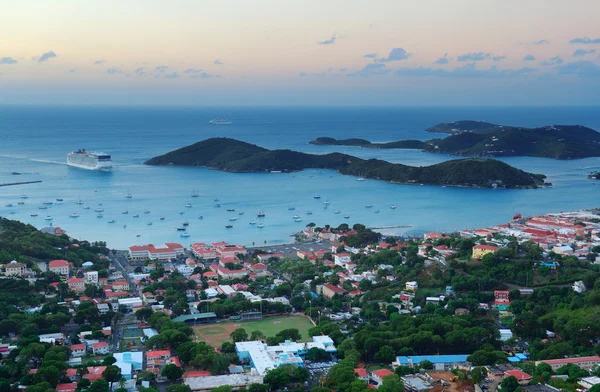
308,52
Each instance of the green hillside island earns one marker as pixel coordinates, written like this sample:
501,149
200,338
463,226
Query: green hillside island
481,139
236,156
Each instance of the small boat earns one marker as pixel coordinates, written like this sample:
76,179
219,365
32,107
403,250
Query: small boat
125,212
12,212
48,218
326,202
260,225
124,226
79,202
184,235
377,211
43,207
291,208
162,218
186,223
309,212
317,196
20,203
217,199
230,209
228,226
298,219
99,210
59,199
200,217
9,205
33,215
393,207
181,228
48,203
261,214
138,235
369,206
136,215
233,219
252,222
337,212
181,213
99,216
86,208
74,215
24,196
195,193
129,196
241,213
295,217
146,211
112,221
346,216
217,205
188,205
149,223
360,178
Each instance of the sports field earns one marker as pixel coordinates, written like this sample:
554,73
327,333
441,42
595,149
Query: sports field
216,334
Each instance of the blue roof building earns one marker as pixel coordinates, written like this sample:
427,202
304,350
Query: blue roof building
439,361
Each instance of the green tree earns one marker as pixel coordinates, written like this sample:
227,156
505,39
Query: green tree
224,388
257,335
258,388
595,388
478,374
40,387
179,388
109,360
112,374
99,386
143,314
239,335
277,378
49,374
509,384
391,383
84,383
386,354
172,372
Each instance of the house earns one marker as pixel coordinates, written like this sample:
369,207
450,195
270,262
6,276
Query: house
201,251
329,290
378,375
522,377
69,387
90,277
341,258
164,252
78,350
226,290
481,250
60,267
76,284
588,382
583,362
120,285
54,230
411,286
130,303
361,373
94,373
157,359
103,308
258,268
100,348
14,269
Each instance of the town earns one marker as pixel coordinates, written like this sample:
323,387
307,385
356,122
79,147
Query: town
514,307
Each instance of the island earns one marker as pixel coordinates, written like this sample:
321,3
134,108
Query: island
482,139
232,155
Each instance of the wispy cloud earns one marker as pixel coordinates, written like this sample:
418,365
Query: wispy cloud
161,68
541,42
218,62
442,60
114,71
99,62
46,56
329,41
584,69
583,52
8,60
314,74
373,69
498,58
204,75
139,71
475,56
553,61
73,70
370,55
464,72
585,40
192,71
529,57
172,75
396,54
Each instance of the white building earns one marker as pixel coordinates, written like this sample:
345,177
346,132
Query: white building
412,286
90,277
130,303
103,308
165,252
579,287
505,334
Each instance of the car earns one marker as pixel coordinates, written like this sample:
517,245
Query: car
483,386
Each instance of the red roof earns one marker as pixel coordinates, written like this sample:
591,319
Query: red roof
158,354
77,347
57,264
564,361
100,345
66,387
167,247
518,374
71,372
198,373
485,247
335,289
94,372
361,372
381,373
75,280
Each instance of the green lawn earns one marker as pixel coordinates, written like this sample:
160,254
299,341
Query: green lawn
271,325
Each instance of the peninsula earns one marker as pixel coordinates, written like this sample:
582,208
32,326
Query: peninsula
232,155
481,139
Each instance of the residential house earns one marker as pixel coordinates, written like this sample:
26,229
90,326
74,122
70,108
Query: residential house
100,348
90,277
341,258
411,286
69,387
120,285
15,269
378,375
481,250
586,363
78,350
76,284
94,373
60,267
329,290
157,359
362,374
522,377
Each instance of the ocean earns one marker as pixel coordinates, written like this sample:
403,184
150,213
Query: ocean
35,141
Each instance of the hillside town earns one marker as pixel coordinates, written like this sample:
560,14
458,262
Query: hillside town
513,307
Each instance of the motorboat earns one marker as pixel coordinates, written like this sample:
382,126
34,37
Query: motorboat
74,215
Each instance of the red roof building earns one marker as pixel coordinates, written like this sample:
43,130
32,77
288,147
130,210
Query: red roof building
70,387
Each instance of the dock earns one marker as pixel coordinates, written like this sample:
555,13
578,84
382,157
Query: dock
20,183
389,227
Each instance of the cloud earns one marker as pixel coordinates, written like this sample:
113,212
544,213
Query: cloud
529,57
583,68
99,62
396,54
583,52
73,70
114,71
464,72
315,75
218,62
370,55
204,75
172,75
8,60
139,71
541,42
442,60
585,40
329,41
161,68
553,61
372,69
498,58
192,71
475,56
46,56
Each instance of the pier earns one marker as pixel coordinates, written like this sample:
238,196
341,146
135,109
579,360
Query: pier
20,183
389,227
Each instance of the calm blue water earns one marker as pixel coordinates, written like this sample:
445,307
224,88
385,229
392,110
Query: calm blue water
35,141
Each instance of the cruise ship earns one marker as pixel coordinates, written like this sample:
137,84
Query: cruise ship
219,121
89,160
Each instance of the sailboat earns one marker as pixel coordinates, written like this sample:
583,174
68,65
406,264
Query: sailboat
317,196
360,178
195,193
261,214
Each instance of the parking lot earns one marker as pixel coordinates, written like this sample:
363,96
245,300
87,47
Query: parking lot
289,250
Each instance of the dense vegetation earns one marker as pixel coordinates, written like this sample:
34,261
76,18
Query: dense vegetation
407,144
236,156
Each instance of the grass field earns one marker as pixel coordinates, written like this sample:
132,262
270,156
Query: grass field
216,334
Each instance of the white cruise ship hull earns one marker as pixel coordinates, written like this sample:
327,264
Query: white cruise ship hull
90,161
